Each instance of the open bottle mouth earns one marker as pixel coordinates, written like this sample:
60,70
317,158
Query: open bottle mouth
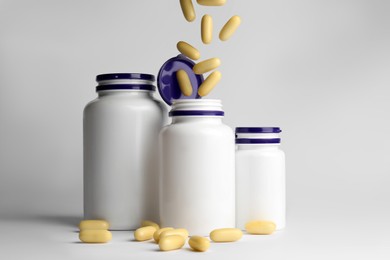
196,107
125,81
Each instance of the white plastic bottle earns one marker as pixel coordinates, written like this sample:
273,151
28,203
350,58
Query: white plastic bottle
197,189
260,176
121,129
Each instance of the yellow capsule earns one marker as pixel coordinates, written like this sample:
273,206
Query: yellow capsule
144,233
95,236
156,235
211,2
171,242
260,227
146,223
188,50
206,65
177,231
207,29
226,235
184,82
210,82
188,10
198,243
96,224
229,28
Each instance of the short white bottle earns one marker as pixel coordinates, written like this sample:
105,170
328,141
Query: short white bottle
197,189
260,176
121,129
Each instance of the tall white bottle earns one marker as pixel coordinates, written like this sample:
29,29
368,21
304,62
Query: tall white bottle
197,174
260,176
121,129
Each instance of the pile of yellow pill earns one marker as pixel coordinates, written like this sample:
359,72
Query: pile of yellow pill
94,231
169,238
191,52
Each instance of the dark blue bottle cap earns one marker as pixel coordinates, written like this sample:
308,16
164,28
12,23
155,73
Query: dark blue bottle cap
257,130
167,83
113,76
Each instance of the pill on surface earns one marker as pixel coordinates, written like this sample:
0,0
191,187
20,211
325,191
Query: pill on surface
93,224
206,65
95,236
206,29
226,235
184,82
156,235
188,50
198,243
171,242
211,2
188,10
210,82
260,227
177,231
144,233
146,223
229,28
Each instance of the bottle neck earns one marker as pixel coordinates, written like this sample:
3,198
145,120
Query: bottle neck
127,92
199,119
263,147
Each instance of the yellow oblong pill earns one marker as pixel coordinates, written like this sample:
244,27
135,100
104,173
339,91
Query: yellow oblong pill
144,233
188,10
260,227
95,236
198,243
146,223
184,82
206,29
177,231
206,65
93,224
188,50
210,82
156,235
173,242
226,235
229,28
211,2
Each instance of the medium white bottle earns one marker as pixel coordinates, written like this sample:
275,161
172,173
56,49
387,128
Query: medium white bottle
121,129
260,176
197,189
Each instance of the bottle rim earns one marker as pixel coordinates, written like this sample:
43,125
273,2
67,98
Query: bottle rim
114,76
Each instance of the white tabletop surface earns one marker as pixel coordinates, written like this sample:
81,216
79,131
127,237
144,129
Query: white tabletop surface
311,234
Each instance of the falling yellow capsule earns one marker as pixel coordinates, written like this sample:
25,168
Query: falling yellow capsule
229,28
207,29
188,50
210,82
184,82
211,2
188,10
206,65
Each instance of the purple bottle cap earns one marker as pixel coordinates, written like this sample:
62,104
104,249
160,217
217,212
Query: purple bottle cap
167,83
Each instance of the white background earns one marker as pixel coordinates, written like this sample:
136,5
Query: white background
318,69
